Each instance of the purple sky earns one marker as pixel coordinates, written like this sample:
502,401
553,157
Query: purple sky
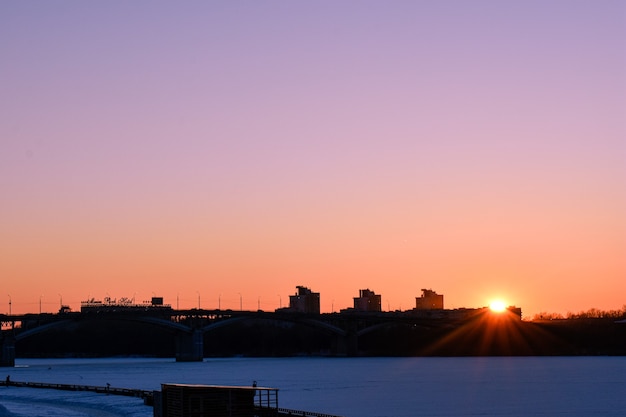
477,148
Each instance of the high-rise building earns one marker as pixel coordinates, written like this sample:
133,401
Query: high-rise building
367,301
305,301
429,300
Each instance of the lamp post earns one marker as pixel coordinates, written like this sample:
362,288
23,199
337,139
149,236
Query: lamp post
40,297
258,303
9,304
240,302
219,301
280,301
198,299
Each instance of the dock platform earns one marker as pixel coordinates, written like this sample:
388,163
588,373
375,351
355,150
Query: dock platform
148,397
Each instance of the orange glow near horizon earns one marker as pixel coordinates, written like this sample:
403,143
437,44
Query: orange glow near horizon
343,159
497,306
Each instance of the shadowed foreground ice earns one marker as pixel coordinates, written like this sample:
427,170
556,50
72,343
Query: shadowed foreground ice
352,387
51,403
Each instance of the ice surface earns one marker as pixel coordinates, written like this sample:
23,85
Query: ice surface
31,402
352,387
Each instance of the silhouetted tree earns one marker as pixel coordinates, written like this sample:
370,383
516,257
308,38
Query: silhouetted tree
592,313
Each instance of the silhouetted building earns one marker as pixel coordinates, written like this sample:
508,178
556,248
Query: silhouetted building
429,300
367,301
305,301
124,304
516,311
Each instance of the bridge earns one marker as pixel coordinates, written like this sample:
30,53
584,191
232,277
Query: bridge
191,326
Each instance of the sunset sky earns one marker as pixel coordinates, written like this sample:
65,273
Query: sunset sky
232,150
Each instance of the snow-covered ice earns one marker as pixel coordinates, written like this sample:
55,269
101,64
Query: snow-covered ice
352,387
52,403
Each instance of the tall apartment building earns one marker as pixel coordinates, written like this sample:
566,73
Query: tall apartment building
429,300
367,301
305,301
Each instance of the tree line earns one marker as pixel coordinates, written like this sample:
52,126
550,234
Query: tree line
592,313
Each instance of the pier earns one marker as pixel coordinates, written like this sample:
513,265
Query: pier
250,401
146,395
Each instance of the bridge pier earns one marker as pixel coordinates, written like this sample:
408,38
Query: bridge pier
7,350
190,346
348,345
352,344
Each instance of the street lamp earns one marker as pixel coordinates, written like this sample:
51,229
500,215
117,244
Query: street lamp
198,299
280,301
219,301
40,297
9,304
240,302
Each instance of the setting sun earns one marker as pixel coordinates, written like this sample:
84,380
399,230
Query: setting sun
497,306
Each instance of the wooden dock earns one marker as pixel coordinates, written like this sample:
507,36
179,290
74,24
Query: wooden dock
147,396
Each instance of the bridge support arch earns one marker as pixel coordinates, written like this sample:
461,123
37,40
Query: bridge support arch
190,346
7,350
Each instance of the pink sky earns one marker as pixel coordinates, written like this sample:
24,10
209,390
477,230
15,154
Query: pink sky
238,149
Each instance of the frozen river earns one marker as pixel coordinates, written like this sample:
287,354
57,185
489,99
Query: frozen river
351,387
